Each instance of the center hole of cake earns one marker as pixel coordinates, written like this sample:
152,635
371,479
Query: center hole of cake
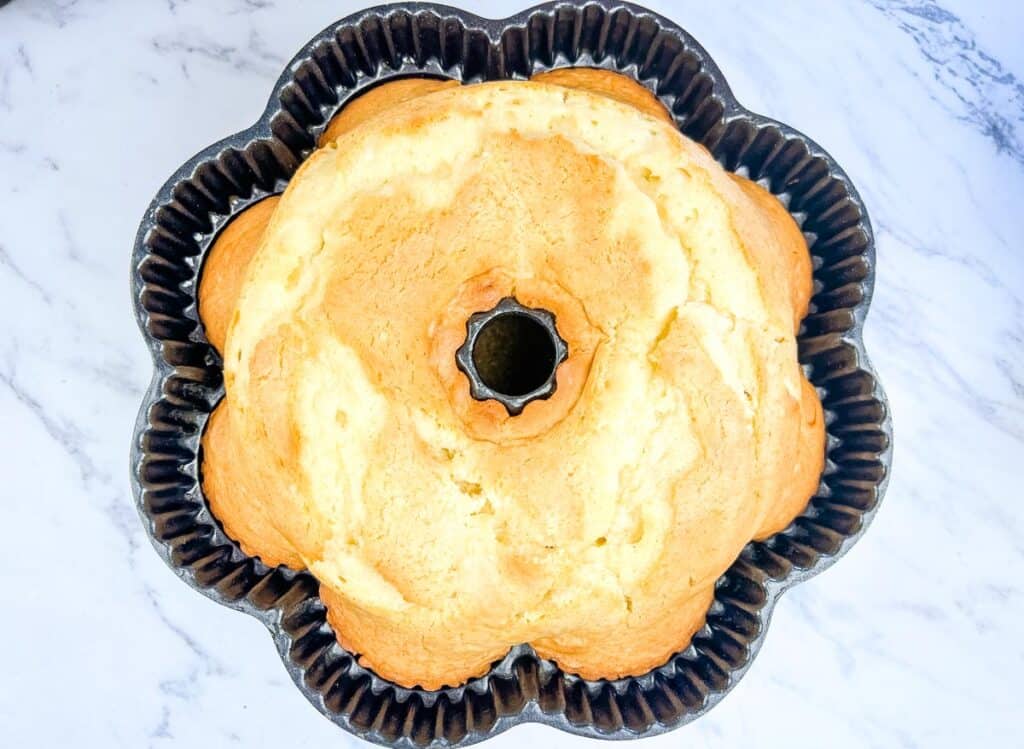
514,354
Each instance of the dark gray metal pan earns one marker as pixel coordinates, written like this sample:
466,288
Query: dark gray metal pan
424,39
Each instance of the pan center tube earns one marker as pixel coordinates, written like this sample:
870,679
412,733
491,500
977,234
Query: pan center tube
511,354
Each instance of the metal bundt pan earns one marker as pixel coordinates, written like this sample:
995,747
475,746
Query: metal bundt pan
420,38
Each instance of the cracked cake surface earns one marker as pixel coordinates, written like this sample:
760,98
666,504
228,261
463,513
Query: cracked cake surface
443,530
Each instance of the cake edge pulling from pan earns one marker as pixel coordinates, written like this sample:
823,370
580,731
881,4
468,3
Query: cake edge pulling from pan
421,39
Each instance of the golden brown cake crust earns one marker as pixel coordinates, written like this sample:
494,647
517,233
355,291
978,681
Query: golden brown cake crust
594,525
223,273
225,267
379,99
608,84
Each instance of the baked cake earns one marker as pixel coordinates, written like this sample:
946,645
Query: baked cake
443,529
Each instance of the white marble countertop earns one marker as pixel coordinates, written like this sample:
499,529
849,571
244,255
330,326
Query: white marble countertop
913,639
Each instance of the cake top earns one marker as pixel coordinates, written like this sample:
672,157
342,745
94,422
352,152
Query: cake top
593,524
